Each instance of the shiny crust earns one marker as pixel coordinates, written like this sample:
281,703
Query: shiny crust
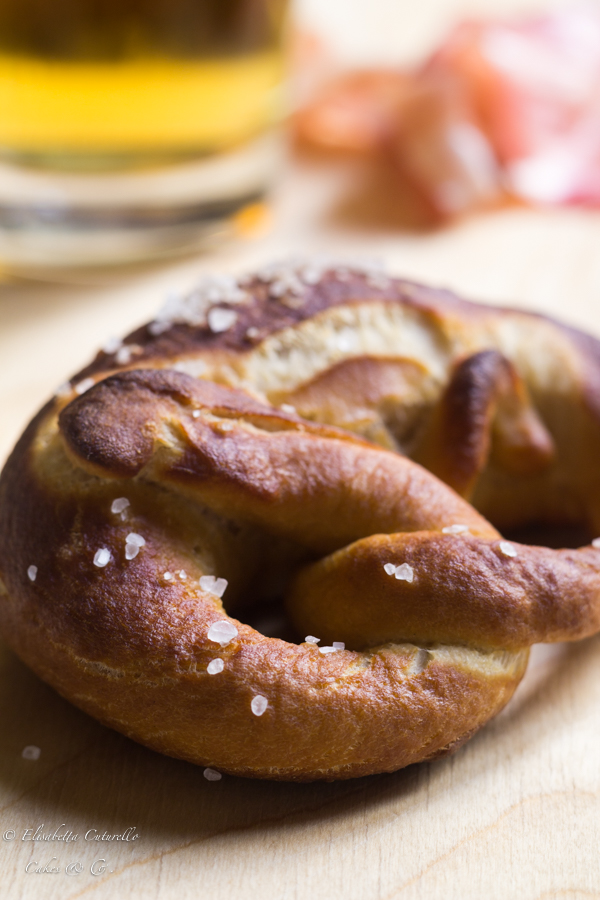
223,482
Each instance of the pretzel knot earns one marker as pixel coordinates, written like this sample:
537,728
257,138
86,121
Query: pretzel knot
126,511
153,489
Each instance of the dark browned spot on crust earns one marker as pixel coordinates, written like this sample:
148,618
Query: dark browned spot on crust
485,408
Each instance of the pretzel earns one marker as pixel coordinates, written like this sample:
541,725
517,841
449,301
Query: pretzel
142,491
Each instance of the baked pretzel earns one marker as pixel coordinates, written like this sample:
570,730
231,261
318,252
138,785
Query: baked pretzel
141,491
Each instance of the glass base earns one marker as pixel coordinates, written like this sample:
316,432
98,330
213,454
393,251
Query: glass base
54,219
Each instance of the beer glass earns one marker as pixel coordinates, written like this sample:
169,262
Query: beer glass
131,128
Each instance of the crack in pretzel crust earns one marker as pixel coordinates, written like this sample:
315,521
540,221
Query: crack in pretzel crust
282,469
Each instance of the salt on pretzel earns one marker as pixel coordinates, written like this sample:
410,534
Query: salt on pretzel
123,510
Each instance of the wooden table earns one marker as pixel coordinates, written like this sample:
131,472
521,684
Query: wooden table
514,814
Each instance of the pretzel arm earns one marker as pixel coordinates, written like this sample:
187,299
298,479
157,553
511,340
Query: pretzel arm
485,410
311,484
463,591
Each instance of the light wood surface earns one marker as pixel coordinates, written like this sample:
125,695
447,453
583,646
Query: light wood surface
514,814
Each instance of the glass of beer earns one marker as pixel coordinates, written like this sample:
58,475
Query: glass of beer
133,128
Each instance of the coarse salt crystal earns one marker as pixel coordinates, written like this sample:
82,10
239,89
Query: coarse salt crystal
136,539
455,529
182,574
311,276
328,649
390,568
507,549
119,505
196,414
32,573
222,632
131,551
64,390
215,666
405,572
212,775
596,543
339,645
289,409
31,752
112,345
167,576
221,319
213,585
310,639
158,327
102,557
123,355
84,385
259,705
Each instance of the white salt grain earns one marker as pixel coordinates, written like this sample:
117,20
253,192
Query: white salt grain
124,353
222,632
339,645
212,775
196,414
405,572
215,666
102,557
119,505
31,752
167,576
507,549
259,705
112,345
455,529
390,568
133,542
182,574
158,327
221,319
64,390
84,385
289,409
310,639
213,585
328,649
32,573
596,543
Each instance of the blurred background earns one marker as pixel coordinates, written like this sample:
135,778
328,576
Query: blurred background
146,143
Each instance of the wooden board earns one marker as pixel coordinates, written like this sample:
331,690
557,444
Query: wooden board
514,814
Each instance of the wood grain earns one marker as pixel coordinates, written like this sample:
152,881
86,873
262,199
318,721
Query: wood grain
514,814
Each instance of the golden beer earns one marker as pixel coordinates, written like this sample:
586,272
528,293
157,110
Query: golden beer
117,86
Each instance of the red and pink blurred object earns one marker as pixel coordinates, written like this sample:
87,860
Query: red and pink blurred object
502,110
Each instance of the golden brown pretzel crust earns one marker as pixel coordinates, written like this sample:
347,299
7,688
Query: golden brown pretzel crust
221,482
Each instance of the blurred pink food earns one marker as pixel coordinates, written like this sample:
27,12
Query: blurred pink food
501,109
512,106
356,113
